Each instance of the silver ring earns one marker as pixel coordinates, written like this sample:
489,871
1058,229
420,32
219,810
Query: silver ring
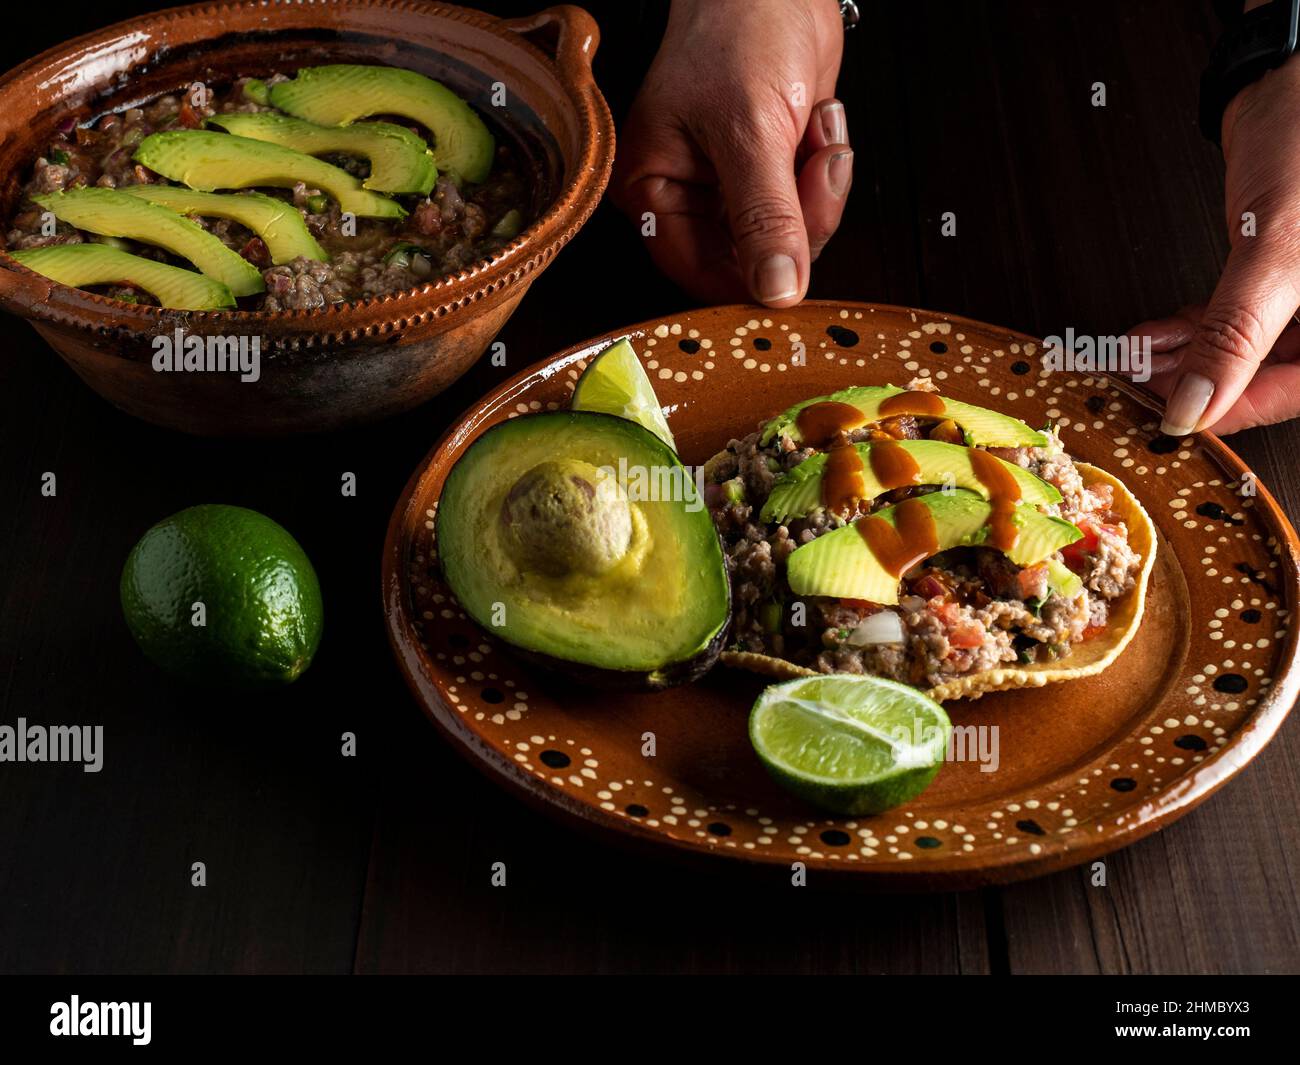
849,14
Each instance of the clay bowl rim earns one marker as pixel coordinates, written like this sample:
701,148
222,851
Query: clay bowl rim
1202,782
43,300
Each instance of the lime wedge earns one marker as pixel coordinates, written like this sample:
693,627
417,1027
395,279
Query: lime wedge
849,743
615,383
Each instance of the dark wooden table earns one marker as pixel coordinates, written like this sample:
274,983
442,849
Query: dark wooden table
1067,215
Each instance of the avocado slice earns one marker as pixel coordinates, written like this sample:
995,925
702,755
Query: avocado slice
980,425
340,93
798,493
209,161
840,564
79,265
115,214
551,536
399,160
278,223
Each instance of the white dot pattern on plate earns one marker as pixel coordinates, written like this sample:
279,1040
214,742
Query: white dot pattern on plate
1240,644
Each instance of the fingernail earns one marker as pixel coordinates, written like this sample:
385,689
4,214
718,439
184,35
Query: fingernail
839,172
777,278
1186,404
835,127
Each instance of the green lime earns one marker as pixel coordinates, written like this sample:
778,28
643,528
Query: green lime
223,595
615,383
849,743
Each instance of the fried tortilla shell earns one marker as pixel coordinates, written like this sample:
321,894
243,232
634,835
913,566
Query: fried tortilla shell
1085,659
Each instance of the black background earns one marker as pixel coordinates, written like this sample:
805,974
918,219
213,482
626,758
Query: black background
1070,215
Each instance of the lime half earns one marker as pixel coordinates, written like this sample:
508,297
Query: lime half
850,743
615,383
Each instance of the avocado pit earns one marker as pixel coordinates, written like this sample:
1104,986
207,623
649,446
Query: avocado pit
566,516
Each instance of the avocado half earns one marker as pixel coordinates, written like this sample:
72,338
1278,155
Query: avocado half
656,617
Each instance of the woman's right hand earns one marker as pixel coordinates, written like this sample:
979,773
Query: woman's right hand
738,149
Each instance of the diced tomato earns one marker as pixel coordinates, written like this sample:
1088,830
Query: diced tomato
1075,554
962,632
1092,630
948,613
1101,497
1032,581
966,634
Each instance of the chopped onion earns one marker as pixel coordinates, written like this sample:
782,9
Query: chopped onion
882,627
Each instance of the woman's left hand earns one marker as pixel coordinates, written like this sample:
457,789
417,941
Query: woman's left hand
1232,364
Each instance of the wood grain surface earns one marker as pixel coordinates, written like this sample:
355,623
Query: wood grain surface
1067,214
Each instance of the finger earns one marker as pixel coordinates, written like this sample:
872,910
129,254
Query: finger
652,145
824,185
698,255
1167,337
1254,301
1271,397
1287,348
755,165
686,236
660,195
1163,365
1166,333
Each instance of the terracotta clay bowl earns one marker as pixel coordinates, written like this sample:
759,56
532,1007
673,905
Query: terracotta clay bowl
351,362
1083,767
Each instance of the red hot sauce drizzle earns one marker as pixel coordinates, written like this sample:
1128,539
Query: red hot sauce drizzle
825,425
842,482
925,404
912,537
820,423
900,546
893,466
1004,494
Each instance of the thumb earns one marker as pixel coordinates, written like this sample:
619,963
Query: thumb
756,171
1252,304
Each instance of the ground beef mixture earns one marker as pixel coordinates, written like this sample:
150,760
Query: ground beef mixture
442,233
966,610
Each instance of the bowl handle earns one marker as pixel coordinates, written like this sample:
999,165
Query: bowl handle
573,31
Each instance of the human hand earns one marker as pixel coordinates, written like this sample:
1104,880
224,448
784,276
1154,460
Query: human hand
1232,364
738,148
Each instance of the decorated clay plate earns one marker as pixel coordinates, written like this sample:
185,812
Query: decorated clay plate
1081,768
